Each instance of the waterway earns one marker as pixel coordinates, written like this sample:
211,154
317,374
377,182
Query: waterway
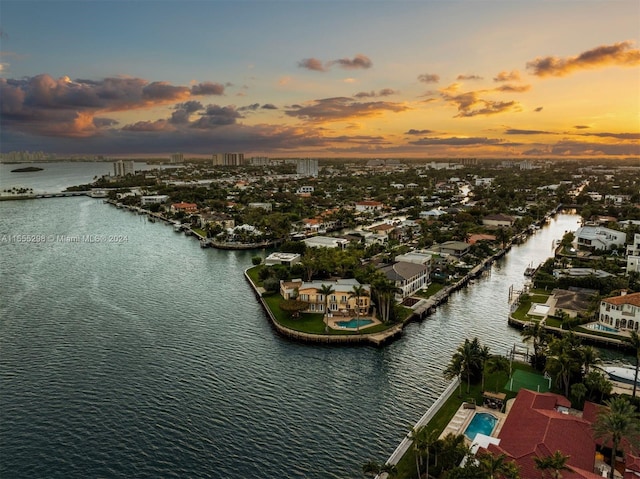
126,350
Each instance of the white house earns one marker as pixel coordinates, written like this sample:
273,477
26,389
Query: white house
599,238
152,199
633,254
498,220
364,206
621,312
407,277
287,259
325,242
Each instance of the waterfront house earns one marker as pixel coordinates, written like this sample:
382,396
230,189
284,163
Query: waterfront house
407,277
599,238
152,199
453,248
340,301
621,312
184,207
286,259
571,302
633,255
223,220
325,242
498,220
369,206
539,424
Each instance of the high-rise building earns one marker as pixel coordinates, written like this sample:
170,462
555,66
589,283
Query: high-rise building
227,159
177,158
307,167
123,168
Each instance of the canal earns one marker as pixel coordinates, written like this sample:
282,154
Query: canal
143,355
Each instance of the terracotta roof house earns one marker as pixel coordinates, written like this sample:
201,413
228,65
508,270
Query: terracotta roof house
538,425
186,207
621,312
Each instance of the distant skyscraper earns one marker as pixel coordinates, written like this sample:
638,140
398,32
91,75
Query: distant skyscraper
177,158
227,159
123,168
307,167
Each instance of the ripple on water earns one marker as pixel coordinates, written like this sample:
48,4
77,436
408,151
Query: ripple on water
152,359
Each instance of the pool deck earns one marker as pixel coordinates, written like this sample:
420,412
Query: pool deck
334,320
463,417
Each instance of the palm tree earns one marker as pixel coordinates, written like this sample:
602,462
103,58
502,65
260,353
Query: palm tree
498,364
358,291
536,332
590,357
497,466
326,290
619,420
454,370
417,436
384,291
373,468
468,353
635,344
556,462
483,357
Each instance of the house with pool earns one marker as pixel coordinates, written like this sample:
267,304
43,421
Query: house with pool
341,302
621,313
539,424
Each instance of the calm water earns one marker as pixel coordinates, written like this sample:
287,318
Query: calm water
151,358
57,176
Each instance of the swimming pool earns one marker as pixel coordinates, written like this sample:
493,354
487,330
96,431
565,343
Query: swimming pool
353,323
602,327
481,423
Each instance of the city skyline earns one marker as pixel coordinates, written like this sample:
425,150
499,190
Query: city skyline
318,78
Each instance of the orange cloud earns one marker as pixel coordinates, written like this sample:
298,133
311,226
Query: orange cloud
618,54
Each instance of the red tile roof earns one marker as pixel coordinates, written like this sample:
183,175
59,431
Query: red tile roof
633,298
534,428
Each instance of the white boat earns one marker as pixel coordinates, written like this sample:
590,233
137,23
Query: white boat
620,374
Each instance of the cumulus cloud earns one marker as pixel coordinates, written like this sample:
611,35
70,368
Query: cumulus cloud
149,126
513,75
457,141
312,64
341,108
513,88
514,131
413,131
360,61
618,136
48,106
215,116
468,77
207,88
539,109
470,104
618,54
372,94
577,148
429,78
269,106
581,127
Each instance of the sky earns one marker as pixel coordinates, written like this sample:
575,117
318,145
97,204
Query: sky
522,79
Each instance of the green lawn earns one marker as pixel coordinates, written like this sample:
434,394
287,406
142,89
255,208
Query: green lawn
493,382
431,290
525,306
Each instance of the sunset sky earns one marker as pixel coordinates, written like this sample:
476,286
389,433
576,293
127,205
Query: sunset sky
322,78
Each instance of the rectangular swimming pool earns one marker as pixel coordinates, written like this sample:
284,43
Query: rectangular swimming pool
481,423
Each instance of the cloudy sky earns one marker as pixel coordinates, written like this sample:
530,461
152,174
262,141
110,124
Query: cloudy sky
322,78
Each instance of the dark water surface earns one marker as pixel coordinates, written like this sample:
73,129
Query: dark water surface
149,357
